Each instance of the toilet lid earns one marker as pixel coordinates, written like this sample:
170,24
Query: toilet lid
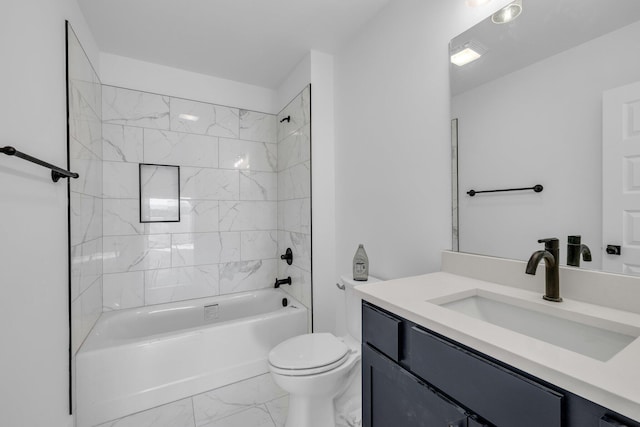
308,351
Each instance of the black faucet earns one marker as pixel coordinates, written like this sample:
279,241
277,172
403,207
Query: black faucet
576,249
551,255
286,281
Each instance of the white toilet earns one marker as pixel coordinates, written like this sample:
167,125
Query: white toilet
315,368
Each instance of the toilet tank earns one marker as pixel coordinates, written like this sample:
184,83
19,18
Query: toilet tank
353,305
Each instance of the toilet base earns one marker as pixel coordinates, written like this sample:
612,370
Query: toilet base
310,412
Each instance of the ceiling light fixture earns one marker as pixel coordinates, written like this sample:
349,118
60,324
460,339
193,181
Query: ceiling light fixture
477,3
507,13
467,53
189,117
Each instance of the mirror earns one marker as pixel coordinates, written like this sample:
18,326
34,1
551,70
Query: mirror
529,111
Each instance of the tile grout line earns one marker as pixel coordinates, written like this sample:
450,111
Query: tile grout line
193,409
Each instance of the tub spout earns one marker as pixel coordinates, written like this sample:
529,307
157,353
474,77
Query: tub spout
286,281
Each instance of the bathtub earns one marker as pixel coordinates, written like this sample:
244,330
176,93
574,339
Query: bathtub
140,358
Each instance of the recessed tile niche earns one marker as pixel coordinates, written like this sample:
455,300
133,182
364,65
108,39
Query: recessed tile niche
159,193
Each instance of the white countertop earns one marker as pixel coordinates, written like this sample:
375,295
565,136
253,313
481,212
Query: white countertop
614,384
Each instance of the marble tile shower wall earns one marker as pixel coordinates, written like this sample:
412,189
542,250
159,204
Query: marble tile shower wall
85,157
226,240
294,194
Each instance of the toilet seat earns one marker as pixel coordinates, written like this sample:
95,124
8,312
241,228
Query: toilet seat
308,354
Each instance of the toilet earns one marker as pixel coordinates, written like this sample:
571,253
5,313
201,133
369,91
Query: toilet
315,368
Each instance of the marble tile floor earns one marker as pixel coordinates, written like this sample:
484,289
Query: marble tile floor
255,402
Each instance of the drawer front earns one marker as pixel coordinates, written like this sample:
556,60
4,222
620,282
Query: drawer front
381,330
498,395
610,422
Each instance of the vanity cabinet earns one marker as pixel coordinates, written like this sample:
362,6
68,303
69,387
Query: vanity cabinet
393,395
415,377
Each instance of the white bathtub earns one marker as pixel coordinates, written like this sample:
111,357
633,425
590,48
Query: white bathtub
140,358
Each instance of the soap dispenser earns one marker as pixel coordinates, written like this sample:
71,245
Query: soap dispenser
361,265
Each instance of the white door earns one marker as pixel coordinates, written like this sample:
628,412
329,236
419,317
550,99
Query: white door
621,178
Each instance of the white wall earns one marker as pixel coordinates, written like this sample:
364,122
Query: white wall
540,125
298,78
34,327
148,77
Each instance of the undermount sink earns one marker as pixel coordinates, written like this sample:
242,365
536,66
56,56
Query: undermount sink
590,336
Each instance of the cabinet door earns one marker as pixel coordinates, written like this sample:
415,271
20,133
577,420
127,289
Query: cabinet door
394,397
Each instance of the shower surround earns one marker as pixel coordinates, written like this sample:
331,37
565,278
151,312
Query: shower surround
226,240
244,195
294,195
241,203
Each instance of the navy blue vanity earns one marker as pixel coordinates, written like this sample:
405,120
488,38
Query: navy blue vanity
413,377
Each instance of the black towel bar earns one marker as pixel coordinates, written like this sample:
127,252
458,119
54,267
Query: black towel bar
537,188
56,172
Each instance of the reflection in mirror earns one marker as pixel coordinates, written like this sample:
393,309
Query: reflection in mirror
530,111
